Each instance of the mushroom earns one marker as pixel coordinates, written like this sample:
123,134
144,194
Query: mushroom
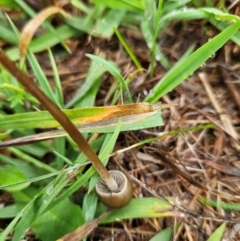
119,198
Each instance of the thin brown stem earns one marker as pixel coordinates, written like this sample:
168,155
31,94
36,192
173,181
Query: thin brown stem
58,114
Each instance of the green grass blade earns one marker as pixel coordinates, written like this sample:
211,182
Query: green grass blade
43,177
39,205
138,208
94,72
57,81
148,36
155,34
128,50
177,75
42,80
218,233
223,25
79,116
18,153
183,14
8,35
134,5
78,4
114,71
164,234
105,26
89,206
10,211
223,205
57,221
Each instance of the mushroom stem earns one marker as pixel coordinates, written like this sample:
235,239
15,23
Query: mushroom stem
59,115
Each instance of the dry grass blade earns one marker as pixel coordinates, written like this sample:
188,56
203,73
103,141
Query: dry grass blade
164,158
31,27
82,231
225,119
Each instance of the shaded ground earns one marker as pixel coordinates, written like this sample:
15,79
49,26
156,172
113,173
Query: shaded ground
210,156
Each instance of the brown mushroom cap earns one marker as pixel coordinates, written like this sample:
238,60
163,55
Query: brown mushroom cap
115,199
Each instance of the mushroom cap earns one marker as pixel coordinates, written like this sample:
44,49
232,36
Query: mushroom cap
115,199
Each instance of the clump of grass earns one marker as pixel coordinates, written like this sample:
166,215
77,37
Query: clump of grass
38,205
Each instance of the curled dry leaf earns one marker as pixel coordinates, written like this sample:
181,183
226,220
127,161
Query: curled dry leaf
82,231
31,27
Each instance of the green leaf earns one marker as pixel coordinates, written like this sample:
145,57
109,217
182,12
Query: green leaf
37,206
8,4
105,26
164,234
10,211
138,208
89,206
58,221
218,233
134,5
128,50
95,71
42,79
217,204
113,70
11,174
178,74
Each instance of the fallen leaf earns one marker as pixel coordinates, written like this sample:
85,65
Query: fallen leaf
82,231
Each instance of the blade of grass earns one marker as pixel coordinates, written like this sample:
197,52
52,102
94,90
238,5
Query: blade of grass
105,25
81,6
138,208
60,142
176,75
78,116
223,205
128,50
148,36
136,122
43,82
34,208
152,21
218,233
43,177
155,34
135,5
164,234
8,35
57,81
114,71
95,71
31,160
42,202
